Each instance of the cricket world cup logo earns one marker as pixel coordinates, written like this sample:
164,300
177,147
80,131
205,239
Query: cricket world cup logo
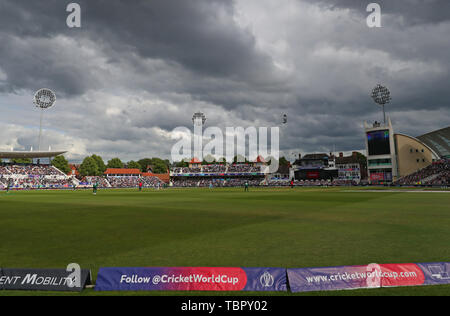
266,279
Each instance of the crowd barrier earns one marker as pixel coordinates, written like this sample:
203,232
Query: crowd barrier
231,279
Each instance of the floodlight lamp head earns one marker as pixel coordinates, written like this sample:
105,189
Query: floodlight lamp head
381,95
44,98
199,116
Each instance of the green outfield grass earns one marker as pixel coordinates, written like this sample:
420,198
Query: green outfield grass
304,227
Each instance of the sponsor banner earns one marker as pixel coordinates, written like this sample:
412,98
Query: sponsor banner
191,279
43,280
436,273
331,278
406,274
379,176
369,276
312,174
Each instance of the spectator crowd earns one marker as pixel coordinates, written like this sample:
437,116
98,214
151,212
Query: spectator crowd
219,168
134,181
436,174
32,177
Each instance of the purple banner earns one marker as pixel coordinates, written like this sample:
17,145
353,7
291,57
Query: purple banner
327,279
369,276
191,279
436,273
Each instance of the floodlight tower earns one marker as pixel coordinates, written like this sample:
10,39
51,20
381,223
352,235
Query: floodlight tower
43,99
381,95
199,119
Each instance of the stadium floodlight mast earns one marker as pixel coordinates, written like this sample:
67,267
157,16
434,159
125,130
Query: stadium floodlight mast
199,116
381,95
199,119
43,99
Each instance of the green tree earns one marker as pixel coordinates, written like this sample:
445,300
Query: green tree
133,165
361,159
115,163
61,163
145,163
100,164
283,161
89,167
22,160
159,166
182,164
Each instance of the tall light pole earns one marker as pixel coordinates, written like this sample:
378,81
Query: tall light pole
43,99
381,95
199,119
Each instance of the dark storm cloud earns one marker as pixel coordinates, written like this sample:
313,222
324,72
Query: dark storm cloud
137,69
200,35
64,72
412,11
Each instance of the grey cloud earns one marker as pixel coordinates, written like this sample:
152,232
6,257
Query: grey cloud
199,35
138,69
412,12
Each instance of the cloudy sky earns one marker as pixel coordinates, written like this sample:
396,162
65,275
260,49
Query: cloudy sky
137,69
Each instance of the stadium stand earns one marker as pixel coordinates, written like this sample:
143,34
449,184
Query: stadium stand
217,183
164,177
217,175
90,181
280,182
151,182
185,183
214,168
307,183
32,177
133,181
130,178
243,168
436,174
218,168
206,182
239,182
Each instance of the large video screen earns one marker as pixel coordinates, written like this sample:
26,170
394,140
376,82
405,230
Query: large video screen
378,143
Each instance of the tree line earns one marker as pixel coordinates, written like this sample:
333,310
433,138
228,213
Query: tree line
95,166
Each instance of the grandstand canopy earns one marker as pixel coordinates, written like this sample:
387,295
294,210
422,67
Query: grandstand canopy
30,154
439,141
164,177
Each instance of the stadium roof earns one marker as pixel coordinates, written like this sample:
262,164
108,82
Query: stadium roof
439,141
29,154
165,177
